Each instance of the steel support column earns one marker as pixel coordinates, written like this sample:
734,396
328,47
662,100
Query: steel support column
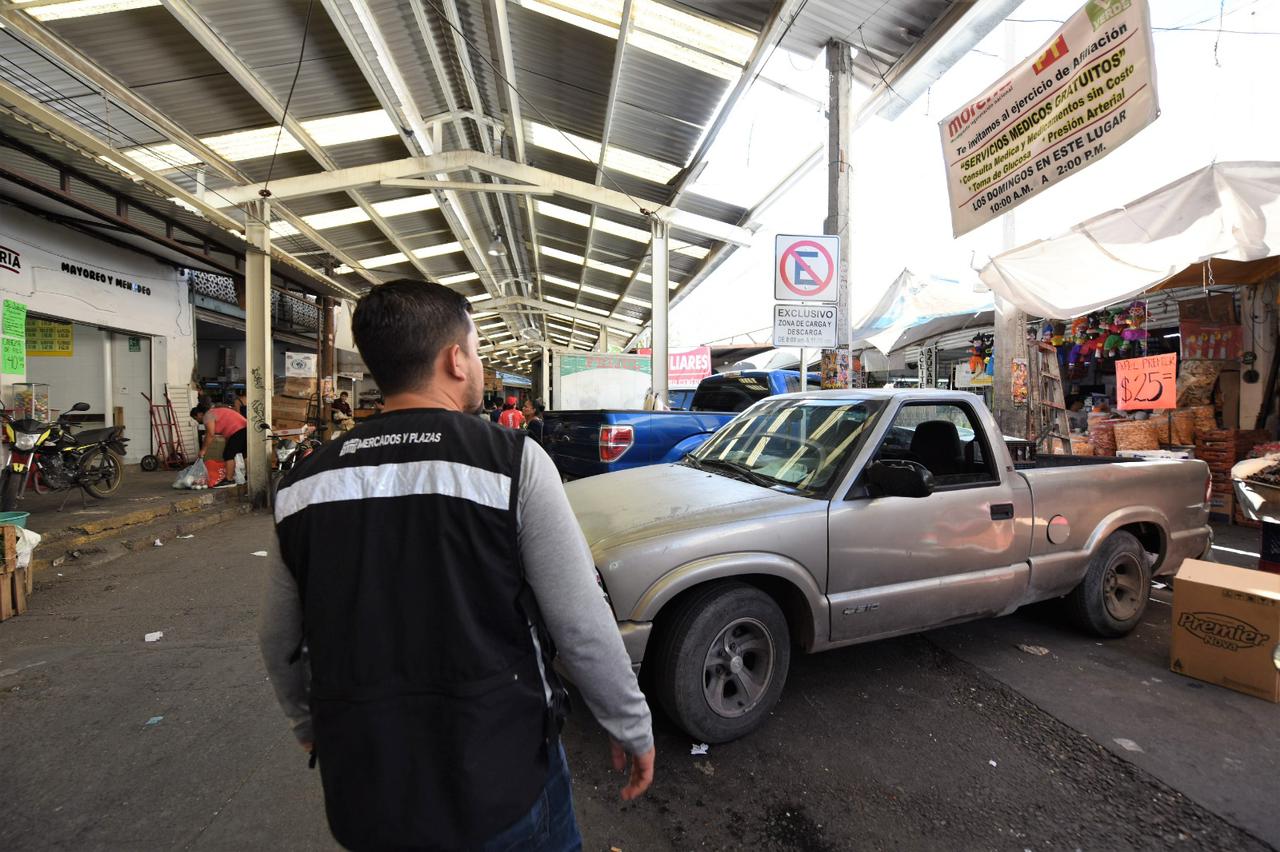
328,350
837,363
660,274
259,387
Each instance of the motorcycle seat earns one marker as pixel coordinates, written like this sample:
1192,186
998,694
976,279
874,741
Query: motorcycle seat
96,436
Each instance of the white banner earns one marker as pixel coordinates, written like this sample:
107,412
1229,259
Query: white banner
1088,90
806,326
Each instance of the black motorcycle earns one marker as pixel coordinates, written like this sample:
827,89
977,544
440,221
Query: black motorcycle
51,457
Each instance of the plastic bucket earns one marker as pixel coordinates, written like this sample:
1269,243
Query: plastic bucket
14,519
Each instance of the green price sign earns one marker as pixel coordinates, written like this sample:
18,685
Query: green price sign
15,319
13,357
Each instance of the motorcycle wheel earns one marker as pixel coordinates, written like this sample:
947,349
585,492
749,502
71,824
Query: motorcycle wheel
9,485
100,473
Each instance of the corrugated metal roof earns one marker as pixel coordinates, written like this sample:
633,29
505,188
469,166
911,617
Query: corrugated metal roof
661,109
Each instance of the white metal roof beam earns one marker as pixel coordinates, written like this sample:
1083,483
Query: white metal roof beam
624,29
454,161
42,40
426,30
427,185
501,32
200,30
90,143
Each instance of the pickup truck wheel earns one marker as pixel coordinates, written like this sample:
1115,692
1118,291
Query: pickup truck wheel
723,662
1113,595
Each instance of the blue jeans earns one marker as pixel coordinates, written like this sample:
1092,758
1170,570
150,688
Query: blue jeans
550,825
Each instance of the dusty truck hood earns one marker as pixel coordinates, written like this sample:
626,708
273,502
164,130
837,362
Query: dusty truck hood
646,522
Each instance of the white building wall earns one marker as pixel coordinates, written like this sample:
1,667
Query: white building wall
63,274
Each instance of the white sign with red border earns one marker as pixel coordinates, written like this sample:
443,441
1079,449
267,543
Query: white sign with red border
806,268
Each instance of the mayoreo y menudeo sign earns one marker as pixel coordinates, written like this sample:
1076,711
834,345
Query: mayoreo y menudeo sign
806,326
1088,90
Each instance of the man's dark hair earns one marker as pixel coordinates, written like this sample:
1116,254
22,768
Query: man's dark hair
199,409
344,393
402,326
538,406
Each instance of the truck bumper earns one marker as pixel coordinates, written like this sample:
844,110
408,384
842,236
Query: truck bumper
635,637
1190,544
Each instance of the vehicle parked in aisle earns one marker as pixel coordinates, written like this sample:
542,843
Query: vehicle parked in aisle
817,520
587,443
53,457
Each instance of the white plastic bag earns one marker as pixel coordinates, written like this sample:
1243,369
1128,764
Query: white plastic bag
240,478
27,541
196,476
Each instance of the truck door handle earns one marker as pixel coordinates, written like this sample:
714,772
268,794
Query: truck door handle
1002,511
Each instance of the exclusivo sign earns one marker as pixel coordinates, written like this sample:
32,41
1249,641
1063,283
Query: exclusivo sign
1088,90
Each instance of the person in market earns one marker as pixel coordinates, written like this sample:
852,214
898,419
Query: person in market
342,404
511,416
433,708
230,424
533,422
496,411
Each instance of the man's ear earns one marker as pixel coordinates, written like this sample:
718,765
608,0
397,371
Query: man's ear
453,362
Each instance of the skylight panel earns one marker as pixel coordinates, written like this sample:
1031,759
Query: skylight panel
459,278
161,158
582,148
336,218
408,204
479,297
350,127
251,144
383,260
436,251
617,229
708,45
85,8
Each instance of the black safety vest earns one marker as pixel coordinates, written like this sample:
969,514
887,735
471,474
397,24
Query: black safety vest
429,698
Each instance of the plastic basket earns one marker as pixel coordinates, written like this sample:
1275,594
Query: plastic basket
14,519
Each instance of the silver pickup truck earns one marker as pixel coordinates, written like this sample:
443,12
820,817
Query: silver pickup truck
816,520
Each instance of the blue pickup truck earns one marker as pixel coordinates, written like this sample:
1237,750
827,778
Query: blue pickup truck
585,443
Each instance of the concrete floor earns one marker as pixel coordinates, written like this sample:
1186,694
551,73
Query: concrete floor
952,740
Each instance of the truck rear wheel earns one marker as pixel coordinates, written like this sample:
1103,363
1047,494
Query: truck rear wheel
1113,595
722,661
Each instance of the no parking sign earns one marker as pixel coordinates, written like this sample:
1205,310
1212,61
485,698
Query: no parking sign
806,268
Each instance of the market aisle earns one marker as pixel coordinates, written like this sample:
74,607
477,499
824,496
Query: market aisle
884,745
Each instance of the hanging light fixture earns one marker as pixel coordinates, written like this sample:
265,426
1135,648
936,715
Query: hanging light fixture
497,248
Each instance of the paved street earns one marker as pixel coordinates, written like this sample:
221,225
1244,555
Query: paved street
955,740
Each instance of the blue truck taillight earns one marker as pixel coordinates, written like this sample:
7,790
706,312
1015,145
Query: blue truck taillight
615,441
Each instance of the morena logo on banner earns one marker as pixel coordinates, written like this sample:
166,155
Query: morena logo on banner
806,268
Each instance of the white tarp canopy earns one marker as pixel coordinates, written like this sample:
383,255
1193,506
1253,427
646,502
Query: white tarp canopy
1229,211
912,301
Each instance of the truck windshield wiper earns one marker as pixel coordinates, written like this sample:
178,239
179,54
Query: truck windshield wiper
741,470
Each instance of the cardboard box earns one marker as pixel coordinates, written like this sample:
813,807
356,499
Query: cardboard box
298,388
1226,627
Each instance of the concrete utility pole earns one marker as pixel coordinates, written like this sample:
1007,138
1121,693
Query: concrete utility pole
661,275
1011,323
837,363
260,384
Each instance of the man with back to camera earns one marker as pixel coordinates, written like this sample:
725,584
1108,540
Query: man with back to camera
432,565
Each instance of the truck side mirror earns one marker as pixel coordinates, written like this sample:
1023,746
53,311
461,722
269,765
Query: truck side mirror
899,478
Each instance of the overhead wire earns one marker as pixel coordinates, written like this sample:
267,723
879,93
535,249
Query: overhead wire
284,116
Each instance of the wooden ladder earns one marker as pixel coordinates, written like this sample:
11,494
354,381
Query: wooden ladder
1050,404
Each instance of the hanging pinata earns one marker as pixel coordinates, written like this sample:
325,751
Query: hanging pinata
1136,333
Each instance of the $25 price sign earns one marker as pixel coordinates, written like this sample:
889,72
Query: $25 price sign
1147,383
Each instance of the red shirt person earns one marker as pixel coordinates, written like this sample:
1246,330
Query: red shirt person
511,416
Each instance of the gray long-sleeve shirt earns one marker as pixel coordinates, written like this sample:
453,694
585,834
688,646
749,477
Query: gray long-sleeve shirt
559,568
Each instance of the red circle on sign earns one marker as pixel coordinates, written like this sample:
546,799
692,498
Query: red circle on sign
791,251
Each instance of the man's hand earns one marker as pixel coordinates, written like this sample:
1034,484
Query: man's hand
641,770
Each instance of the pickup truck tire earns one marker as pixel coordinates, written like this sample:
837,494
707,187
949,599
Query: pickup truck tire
1113,595
722,661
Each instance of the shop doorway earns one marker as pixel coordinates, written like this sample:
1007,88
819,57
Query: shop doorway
130,379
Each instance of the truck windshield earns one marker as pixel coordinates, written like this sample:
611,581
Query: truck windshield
798,443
